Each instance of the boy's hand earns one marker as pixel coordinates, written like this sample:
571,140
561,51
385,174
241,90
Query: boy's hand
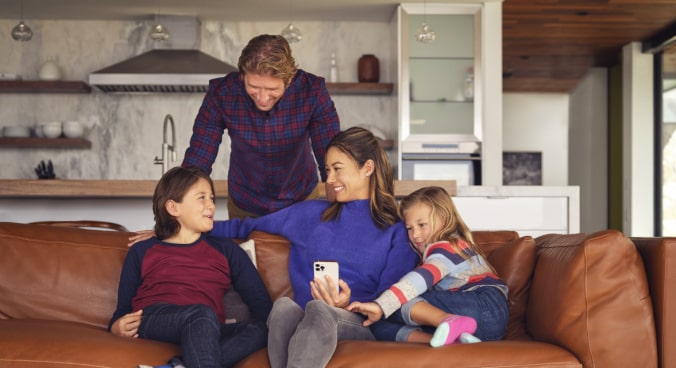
140,236
370,309
127,325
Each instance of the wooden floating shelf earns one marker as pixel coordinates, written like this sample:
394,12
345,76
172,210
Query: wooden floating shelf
360,88
40,86
34,142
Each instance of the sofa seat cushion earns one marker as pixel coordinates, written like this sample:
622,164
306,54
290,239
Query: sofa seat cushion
590,295
60,344
494,354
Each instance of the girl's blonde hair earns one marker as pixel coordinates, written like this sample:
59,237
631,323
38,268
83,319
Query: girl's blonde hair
451,225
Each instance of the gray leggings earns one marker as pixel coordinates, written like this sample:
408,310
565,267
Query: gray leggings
309,338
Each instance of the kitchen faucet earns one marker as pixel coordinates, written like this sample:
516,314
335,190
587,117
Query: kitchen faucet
166,147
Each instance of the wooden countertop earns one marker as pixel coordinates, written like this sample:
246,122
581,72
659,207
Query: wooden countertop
10,188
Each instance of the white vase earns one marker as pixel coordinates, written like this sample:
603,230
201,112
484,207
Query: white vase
50,71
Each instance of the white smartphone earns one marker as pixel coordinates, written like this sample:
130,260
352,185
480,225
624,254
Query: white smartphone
322,268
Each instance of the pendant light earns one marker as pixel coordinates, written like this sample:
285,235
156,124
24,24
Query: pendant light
159,32
291,32
22,32
425,34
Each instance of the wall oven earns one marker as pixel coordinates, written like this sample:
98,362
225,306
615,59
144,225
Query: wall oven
442,157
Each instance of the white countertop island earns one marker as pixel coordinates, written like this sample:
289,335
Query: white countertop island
530,210
125,202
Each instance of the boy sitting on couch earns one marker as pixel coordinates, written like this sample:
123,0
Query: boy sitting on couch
172,285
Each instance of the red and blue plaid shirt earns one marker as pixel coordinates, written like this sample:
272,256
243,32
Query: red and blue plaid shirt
271,160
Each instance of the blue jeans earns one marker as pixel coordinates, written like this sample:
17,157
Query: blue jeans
487,305
204,340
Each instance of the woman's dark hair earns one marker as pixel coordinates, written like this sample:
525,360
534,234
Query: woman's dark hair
268,55
360,145
173,185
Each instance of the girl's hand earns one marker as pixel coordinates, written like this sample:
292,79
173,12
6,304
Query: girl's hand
127,325
332,296
370,309
140,236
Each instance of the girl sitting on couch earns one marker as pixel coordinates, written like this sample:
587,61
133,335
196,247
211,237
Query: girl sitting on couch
455,289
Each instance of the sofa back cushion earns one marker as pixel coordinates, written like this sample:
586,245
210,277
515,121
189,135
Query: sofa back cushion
659,258
272,259
590,295
513,258
59,273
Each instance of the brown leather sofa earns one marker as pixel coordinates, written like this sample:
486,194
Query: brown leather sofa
581,300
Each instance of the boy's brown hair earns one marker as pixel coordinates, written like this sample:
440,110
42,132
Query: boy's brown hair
173,185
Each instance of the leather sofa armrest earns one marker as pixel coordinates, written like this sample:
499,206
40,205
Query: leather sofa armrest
659,258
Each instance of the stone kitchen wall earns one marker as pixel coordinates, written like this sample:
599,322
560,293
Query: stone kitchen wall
126,129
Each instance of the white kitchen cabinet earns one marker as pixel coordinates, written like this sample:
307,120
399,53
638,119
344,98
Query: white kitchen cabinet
452,87
530,210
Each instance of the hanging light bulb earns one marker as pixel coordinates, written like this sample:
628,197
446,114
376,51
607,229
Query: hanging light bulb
22,32
159,32
425,34
291,32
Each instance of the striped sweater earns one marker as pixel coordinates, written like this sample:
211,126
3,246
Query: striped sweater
442,269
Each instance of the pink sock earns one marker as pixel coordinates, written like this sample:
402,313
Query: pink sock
450,329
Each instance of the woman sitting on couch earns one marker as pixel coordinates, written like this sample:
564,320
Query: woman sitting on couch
360,230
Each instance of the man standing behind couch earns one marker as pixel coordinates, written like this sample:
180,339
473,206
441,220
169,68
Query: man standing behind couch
280,120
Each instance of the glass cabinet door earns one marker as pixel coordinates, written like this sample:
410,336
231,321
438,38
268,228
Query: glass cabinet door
441,76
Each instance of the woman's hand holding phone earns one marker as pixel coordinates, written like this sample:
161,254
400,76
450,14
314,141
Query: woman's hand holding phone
327,285
332,297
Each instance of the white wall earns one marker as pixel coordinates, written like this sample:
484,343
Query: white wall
571,132
539,122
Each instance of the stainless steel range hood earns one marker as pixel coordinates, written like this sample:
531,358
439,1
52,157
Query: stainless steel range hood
177,67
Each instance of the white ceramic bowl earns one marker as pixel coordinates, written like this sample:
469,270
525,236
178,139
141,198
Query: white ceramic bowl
73,129
52,129
16,132
37,130
50,71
